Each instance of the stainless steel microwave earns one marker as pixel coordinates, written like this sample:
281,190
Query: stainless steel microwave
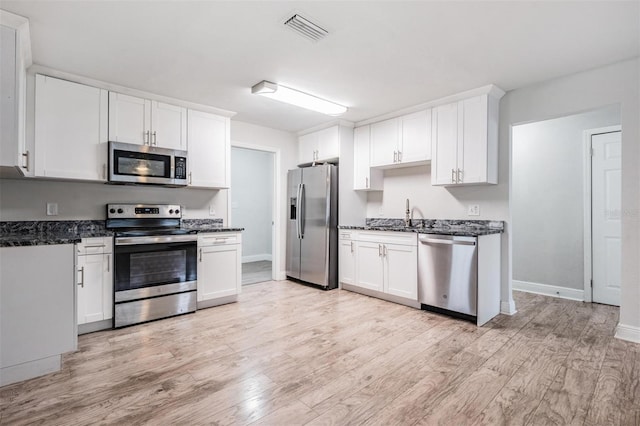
144,164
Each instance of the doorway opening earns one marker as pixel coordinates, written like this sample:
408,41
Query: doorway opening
552,205
252,207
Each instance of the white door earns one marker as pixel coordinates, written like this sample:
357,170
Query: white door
416,137
472,146
94,288
129,119
328,143
401,270
219,271
370,267
209,150
347,261
168,126
307,145
605,216
384,142
445,144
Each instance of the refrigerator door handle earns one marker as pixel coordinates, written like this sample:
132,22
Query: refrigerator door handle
303,213
298,212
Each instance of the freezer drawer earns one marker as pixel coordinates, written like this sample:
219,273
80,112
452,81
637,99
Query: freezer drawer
448,273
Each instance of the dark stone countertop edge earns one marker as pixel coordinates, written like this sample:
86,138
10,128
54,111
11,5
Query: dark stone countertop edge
435,231
52,238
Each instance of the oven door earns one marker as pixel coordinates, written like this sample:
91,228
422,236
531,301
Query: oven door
153,269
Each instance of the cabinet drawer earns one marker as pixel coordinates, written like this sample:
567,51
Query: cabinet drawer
219,238
95,245
347,235
387,237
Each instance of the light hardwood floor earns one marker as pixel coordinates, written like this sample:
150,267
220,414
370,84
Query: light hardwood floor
289,354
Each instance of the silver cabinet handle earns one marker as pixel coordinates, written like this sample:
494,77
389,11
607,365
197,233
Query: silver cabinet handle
104,170
95,246
190,179
155,141
399,156
351,246
380,250
81,283
459,176
25,157
108,263
147,138
453,176
366,180
201,255
395,156
384,250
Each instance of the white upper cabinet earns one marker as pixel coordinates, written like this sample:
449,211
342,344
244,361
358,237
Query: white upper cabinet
144,122
209,150
364,177
322,145
402,141
465,148
15,57
70,130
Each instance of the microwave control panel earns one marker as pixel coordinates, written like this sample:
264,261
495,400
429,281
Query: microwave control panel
181,168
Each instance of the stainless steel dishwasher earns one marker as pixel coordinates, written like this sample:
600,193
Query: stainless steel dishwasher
448,274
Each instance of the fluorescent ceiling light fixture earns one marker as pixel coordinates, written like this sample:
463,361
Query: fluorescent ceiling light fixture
297,98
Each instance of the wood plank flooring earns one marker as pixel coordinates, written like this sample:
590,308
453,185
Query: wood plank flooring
288,354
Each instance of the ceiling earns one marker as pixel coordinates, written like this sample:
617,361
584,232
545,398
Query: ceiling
378,57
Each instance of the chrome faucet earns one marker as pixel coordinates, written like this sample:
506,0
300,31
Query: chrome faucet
407,215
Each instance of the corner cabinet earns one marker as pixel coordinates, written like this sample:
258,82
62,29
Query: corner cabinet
209,147
402,141
94,283
465,142
219,268
146,122
319,146
70,130
364,177
15,58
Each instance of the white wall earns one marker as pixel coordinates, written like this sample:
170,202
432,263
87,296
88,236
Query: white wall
285,145
252,201
26,199
547,198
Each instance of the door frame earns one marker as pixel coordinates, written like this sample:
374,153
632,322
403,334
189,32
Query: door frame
587,183
276,243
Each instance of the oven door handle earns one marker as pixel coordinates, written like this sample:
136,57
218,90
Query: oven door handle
128,241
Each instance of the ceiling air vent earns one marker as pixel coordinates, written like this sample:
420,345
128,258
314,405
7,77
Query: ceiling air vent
306,28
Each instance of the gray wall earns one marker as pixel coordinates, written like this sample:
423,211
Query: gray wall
252,200
547,198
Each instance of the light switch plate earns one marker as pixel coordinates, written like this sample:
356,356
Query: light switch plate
212,210
52,209
473,210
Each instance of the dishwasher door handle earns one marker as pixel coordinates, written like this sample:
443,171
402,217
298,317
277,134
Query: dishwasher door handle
447,242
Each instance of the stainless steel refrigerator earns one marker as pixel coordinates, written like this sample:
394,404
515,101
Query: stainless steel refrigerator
312,222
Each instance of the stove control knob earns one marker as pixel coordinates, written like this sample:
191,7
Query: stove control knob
177,211
120,211
112,211
171,211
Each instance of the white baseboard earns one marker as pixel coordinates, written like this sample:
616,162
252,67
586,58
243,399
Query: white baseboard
628,333
508,307
281,276
256,258
29,370
549,290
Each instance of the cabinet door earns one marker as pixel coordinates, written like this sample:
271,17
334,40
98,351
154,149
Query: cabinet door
95,288
209,150
415,133
307,145
328,144
445,144
384,142
9,95
129,119
369,269
472,154
401,271
168,126
347,261
219,271
361,138
70,130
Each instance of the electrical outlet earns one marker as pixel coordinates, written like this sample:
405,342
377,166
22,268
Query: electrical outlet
52,209
473,210
380,212
212,210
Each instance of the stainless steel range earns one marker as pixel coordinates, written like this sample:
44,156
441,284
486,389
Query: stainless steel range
155,265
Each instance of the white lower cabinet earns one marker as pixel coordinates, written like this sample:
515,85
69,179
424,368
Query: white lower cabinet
94,282
219,267
385,262
37,310
347,258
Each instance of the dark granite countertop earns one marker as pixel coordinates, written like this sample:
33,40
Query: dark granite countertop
463,228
